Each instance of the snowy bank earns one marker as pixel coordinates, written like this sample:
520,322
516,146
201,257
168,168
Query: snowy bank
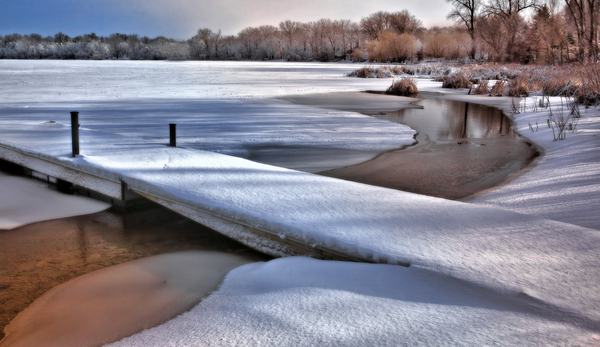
112,303
305,302
564,184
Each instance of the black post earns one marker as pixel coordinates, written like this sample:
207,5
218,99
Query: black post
75,132
173,135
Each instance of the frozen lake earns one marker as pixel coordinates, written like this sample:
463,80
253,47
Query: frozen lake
223,107
499,275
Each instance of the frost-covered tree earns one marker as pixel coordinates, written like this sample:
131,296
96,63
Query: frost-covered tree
61,38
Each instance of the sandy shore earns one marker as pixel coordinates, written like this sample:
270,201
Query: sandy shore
109,304
38,257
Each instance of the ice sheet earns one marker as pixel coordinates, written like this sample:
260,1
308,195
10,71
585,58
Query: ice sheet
26,200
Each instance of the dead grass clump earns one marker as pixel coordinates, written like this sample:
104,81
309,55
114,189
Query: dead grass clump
588,93
498,89
456,82
396,69
559,86
588,99
377,72
365,72
482,88
518,87
403,87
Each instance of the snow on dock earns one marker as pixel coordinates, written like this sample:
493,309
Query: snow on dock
550,261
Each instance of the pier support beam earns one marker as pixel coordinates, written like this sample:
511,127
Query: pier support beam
173,135
75,132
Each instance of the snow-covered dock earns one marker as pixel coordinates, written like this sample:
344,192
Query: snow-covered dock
495,248
115,189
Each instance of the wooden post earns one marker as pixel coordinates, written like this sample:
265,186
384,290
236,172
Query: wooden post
75,132
173,135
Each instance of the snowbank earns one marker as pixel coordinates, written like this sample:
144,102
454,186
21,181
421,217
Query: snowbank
112,303
305,302
564,184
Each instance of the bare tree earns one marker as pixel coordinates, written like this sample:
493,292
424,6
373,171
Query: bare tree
345,31
466,12
509,11
117,45
290,30
404,23
490,31
374,24
583,14
61,38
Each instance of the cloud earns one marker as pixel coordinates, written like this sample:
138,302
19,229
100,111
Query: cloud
183,17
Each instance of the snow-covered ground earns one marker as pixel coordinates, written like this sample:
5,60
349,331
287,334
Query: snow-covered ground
305,302
564,184
481,275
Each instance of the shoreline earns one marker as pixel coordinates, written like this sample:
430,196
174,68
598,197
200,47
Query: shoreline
441,248
414,168
39,256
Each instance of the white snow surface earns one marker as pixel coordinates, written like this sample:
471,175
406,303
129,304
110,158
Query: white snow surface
549,267
305,302
564,184
224,107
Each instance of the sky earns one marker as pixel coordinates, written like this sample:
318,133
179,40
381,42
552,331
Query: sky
180,19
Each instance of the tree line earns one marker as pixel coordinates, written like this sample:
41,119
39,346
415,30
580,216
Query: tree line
522,31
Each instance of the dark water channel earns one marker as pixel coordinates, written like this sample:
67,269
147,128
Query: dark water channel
462,148
36,257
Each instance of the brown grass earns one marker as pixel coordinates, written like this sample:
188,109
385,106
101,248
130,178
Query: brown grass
482,88
364,72
579,81
498,89
588,93
456,82
559,86
518,87
403,87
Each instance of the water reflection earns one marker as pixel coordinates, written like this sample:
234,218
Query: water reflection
82,241
36,257
446,120
462,149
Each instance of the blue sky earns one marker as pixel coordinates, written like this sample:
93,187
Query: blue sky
180,19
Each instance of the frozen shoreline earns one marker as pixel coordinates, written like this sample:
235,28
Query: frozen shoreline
478,151
106,305
505,254
26,201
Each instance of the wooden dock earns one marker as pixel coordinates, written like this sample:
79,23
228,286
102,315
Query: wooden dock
122,194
